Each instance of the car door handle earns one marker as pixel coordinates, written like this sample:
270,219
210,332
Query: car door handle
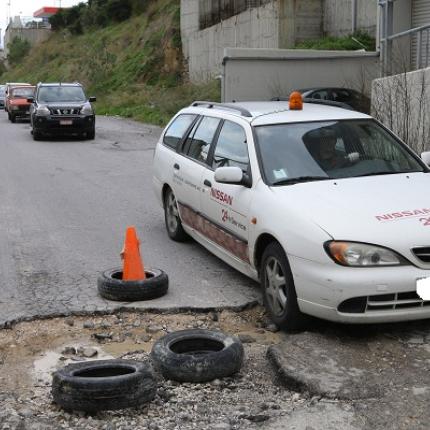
207,183
176,166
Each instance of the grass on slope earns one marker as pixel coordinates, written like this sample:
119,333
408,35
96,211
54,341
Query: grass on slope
134,68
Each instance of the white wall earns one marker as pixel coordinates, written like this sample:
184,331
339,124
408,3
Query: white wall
262,74
402,103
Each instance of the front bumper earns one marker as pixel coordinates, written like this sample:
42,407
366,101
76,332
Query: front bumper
20,111
359,295
64,124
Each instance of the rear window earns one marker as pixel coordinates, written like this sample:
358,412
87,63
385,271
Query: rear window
177,130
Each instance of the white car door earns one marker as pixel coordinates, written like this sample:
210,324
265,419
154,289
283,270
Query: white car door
225,207
189,166
166,156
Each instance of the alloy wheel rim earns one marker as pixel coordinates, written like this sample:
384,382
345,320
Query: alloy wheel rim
172,213
275,286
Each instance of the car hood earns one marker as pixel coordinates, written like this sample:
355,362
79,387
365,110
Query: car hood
61,105
389,210
19,102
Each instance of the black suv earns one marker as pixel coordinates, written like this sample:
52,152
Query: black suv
61,108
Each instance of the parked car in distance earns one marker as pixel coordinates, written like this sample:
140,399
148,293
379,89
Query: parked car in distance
19,106
8,87
347,96
2,96
323,205
62,109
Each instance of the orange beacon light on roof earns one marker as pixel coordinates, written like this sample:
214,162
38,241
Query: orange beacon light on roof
296,101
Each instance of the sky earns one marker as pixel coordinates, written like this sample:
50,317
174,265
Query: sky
27,8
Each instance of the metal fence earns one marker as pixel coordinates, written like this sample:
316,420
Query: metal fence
211,12
418,37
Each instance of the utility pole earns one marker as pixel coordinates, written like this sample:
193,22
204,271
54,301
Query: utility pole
8,11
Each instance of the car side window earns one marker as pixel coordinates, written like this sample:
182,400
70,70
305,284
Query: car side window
341,96
321,94
200,139
177,129
231,148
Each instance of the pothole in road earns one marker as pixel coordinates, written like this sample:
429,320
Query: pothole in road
31,351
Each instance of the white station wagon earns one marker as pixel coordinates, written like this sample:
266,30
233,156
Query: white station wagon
325,206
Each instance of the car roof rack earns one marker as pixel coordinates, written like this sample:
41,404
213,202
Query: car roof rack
210,105
316,101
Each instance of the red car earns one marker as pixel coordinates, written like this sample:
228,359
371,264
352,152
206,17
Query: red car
16,102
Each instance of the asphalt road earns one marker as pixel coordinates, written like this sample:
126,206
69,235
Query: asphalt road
65,205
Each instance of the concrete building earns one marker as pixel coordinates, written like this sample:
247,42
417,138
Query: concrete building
35,29
24,29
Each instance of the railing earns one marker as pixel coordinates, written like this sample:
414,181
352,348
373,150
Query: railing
386,38
422,48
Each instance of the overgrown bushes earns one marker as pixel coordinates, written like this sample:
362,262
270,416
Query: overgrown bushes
18,49
96,13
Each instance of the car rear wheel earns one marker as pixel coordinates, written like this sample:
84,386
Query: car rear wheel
172,219
279,293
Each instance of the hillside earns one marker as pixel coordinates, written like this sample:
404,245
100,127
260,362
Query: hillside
135,68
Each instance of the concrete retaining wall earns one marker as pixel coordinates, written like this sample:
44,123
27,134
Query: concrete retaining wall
402,103
338,16
203,50
250,74
33,35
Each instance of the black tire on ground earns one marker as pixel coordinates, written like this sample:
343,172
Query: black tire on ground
103,385
172,219
111,286
36,134
12,118
279,293
197,355
91,134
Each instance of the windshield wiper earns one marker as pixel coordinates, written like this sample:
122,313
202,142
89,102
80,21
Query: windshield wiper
387,173
301,179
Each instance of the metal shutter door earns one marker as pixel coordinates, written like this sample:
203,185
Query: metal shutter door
420,16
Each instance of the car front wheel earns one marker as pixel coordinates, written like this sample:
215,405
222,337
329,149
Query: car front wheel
279,293
172,219
36,134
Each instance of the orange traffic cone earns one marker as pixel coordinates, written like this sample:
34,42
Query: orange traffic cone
133,266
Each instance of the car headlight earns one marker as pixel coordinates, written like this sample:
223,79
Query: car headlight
14,107
42,111
87,109
355,254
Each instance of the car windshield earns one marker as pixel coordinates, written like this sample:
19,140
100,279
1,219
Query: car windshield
2,90
300,152
61,94
18,93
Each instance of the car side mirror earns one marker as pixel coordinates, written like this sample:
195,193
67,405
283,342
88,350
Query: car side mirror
425,156
30,99
92,99
232,175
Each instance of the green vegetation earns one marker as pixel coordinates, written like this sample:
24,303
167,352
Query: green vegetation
18,50
134,67
359,40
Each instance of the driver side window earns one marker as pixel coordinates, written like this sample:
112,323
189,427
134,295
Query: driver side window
231,148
